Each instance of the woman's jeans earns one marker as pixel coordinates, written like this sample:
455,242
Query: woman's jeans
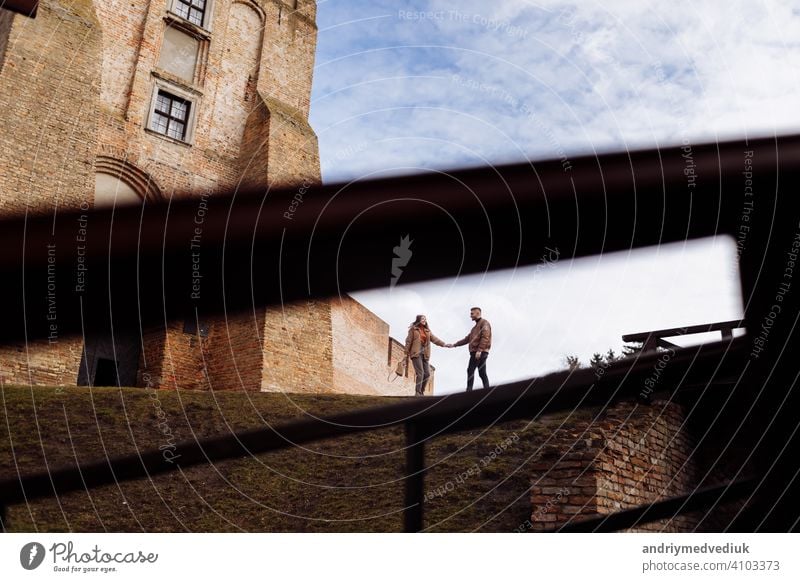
422,371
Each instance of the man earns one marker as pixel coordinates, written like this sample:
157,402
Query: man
479,341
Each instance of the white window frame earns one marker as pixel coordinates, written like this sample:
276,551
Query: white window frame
207,19
192,98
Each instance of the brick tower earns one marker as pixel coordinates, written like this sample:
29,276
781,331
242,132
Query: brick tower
124,101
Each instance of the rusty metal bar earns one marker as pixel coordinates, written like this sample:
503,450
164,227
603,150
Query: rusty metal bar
668,508
689,330
439,415
25,7
413,516
254,251
344,235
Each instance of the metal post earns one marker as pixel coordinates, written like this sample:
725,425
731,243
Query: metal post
415,479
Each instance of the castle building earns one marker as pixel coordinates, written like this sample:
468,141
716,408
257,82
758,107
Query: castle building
115,102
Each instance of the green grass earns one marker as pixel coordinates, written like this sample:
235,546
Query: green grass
348,484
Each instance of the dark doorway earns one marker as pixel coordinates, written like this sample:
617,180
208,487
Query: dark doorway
110,360
106,373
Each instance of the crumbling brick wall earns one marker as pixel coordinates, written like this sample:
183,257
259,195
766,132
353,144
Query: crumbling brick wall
629,455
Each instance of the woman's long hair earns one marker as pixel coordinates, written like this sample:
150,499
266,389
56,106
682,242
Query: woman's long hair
416,322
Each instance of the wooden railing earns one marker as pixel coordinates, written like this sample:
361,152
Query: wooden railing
651,340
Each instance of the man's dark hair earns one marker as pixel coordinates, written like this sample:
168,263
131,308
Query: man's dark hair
476,309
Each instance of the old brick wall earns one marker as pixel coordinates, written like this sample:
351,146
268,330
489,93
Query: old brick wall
123,24
183,364
361,346
258,52
227,358
279,147
6,21
647,457
240,36
234,352
630,455
49,89
298,348
42,363
284,86
231,145
251,91
151,359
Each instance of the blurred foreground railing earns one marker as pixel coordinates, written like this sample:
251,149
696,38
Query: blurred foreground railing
256,252
24,7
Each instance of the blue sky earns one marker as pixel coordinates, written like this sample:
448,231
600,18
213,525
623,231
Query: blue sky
403,87
445,84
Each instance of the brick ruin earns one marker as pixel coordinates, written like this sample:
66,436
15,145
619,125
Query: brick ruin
629,455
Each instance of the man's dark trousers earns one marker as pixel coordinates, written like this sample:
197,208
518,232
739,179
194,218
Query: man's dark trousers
480,364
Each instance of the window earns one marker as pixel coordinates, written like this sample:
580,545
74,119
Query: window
170,116
190,327
192,10
179,54
173,110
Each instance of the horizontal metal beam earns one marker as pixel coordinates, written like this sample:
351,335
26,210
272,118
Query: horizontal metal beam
666,509
676,331
435,416
232,251
25,7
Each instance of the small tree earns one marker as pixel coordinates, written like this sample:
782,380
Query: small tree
573,362
599,360
631,349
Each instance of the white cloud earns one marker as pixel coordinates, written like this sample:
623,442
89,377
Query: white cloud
542,313
598,75
475,83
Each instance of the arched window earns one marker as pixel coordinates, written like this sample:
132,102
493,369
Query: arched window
120,183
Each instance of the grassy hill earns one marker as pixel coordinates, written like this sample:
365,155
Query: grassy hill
350,484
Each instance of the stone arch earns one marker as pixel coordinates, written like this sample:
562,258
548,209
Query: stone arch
236,93
262,20
258,10
119,180
255,65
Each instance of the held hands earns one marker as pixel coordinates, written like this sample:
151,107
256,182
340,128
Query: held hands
449,345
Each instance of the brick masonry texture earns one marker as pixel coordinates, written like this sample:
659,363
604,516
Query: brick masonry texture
76,93
77,85
90,70
49,88
629,455
361,348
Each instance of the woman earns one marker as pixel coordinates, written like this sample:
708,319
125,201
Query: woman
418,348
